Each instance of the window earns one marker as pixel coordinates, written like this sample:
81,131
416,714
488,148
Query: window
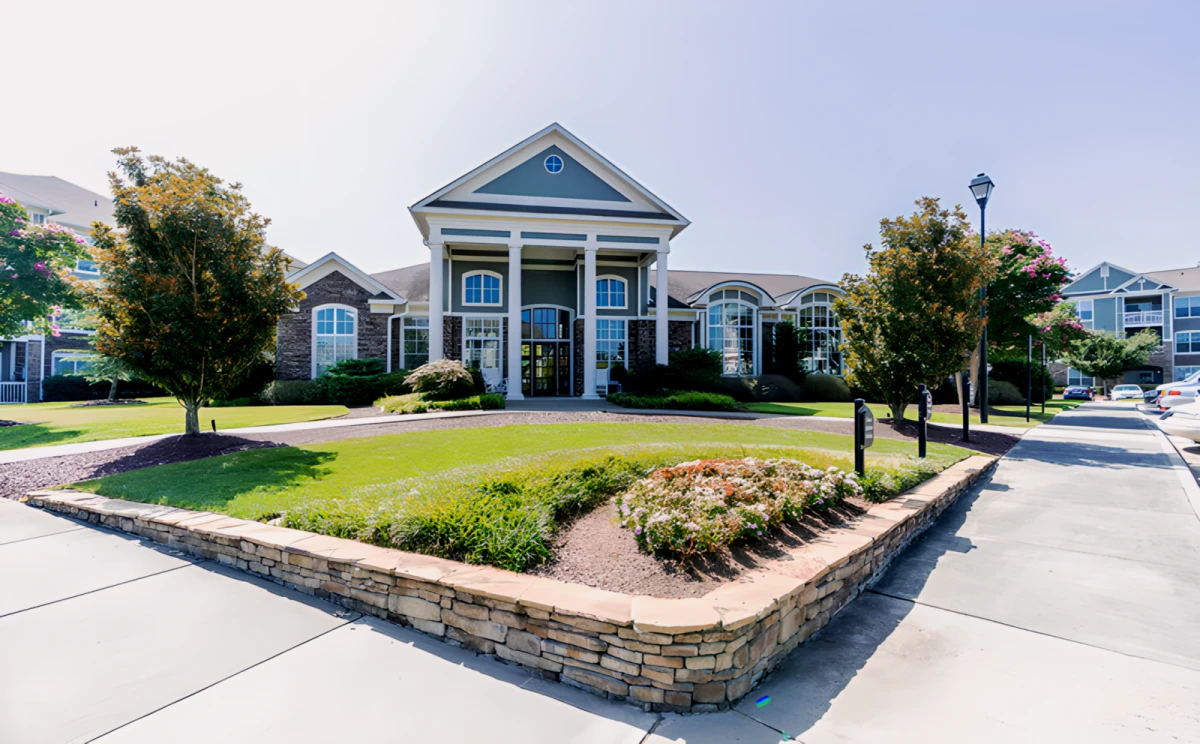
554,164
87,267
824,334
70,363
610,343
481,343
1187,343
1075,378
1182,373
481,288
416,343
1187,306
731,332
545,324
610,292
37,219
335,338
1083,309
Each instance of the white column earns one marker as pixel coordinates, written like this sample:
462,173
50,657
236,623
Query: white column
436,285
660,308
514,323
589,323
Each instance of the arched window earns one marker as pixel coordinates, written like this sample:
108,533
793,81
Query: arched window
731,332
481,288
610,292
335,336
824,333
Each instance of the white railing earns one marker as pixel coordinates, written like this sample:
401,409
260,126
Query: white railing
1150,317
12,392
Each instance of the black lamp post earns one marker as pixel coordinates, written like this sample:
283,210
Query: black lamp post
981,188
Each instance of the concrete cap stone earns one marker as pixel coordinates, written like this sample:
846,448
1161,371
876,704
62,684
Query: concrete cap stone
576,599
674,616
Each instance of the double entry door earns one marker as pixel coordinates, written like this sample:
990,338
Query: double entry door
545,351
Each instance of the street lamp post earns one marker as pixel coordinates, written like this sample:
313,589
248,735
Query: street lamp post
981,188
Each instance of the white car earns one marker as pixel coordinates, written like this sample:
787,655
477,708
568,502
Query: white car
1161,389
1125,392
1178,395
1182,421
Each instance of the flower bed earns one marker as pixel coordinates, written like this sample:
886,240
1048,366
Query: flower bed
699,506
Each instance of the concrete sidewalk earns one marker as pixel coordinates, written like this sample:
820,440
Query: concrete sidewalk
1057,603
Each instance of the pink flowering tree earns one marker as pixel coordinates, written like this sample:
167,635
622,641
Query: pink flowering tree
35,261
1029,281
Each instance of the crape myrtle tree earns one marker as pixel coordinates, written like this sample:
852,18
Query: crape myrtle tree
912,319
1105,356
191,293
35,265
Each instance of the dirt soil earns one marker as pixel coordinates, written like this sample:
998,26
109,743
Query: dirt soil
595,551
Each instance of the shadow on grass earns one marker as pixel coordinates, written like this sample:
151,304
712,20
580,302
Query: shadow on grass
791,409
206,472
33,435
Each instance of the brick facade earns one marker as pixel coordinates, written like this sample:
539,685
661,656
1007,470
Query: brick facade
577,366
452,338
293,348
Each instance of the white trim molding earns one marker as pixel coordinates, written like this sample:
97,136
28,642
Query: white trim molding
624,292
330,262
483,289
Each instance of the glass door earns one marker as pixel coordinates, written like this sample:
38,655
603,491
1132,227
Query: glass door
545,351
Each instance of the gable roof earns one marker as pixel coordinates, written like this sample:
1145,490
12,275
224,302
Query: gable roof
522,185
411,282
1090,281
1183,280
68,204
313,272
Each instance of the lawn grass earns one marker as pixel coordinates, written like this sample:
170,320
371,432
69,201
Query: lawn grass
262,483
1000,415
59,423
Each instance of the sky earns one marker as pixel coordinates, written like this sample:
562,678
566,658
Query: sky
784,131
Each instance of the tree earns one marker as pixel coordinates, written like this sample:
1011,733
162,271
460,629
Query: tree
1059,329
1027,283
35,261
107,369
191,293
1105,356
788,351
915,316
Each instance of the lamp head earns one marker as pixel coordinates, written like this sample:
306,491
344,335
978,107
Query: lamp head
981,188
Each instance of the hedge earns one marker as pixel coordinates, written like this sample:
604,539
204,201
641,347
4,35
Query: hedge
686,400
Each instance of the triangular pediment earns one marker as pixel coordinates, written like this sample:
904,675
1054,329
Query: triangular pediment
1103,278
551,173
1140,284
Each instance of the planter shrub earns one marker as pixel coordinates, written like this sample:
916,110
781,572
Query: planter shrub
59,388
826,389
445,379
414,403
701,506
289,393
1001,393
762,389
1014,372
349,390
686,400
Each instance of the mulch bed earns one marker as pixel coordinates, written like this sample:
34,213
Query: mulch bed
595,551
94,403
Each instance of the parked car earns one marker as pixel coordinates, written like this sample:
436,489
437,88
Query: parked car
1179,395
1158,391
1182,421
1150,397
1077,392
1126,392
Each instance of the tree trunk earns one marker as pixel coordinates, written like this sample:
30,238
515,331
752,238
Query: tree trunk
897,409
191,418
112,390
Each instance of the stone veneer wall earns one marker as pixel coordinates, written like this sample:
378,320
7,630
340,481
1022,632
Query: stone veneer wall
452,337
577,367
293,339
33,371
686,655
73,341
641,335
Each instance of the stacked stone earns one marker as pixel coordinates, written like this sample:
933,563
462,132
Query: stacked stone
685,655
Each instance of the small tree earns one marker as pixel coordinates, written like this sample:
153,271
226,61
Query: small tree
788,347
911,319
35,261
1105,356
191,293
107,369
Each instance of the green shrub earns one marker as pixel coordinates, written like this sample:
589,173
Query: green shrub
445,379
825,389
686,400
881,484
358,368
696,368
414,403
786,349
231,403
505,514
1001,393
289,393
350,390
763,388
57,388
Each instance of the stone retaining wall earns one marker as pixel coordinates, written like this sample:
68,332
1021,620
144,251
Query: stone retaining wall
686,655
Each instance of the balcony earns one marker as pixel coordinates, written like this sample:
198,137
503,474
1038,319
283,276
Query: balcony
1144,318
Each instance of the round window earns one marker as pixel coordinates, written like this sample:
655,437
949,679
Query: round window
554,164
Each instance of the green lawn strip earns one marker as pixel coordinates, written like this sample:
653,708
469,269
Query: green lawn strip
59,423
260,483
1001,415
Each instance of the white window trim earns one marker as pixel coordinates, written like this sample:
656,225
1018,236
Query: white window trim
64,354
613,277
625,330
313,333
482,290
498,339
403,327
754,345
